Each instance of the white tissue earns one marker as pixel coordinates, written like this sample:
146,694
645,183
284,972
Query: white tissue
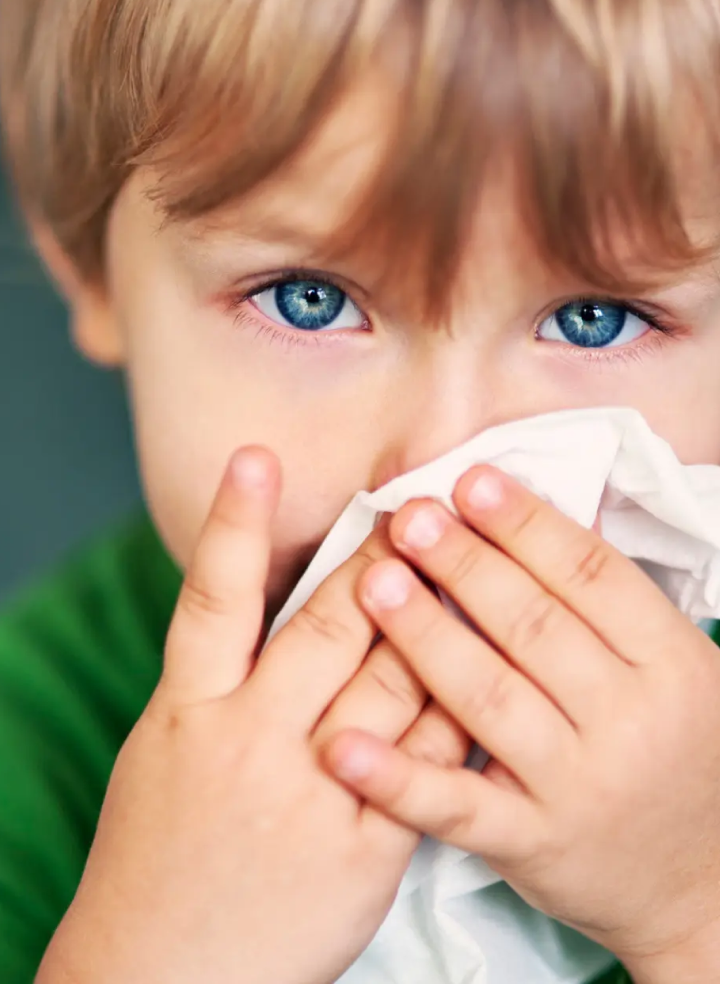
452,922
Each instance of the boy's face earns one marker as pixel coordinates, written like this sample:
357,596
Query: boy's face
350,387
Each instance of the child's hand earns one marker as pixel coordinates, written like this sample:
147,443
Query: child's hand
599,704
225,853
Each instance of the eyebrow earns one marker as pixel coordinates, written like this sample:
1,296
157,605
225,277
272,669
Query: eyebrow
271,230
220,251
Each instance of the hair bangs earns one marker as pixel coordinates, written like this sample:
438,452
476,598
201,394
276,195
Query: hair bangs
589,107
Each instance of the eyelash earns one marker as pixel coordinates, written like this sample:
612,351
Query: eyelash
290,338
655,321
660,328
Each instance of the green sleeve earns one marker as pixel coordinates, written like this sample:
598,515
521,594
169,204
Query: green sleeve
616,975
79,659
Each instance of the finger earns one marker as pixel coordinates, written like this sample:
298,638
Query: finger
313,657
436,737
220,608
500,708
454,805
605,588
384,698
541,636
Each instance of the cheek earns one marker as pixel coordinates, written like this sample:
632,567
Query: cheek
694,437
196,399
185,437
180,486
684,409
677,392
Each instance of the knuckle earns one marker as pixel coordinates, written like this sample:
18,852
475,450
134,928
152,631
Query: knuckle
464,567
500,775
424,635
490,700
227,515
401,799
591,565
453,825
366,555
171,718
393,678
424,749
198,600
437,738
534,621
525,522
444,751
320,622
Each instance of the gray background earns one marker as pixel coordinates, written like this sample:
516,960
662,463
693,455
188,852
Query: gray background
66,464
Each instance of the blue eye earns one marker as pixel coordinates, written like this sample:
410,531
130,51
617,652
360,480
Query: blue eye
309,305
593,324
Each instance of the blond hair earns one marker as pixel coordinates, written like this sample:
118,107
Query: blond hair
219,94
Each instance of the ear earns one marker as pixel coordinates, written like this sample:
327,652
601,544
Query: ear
94,326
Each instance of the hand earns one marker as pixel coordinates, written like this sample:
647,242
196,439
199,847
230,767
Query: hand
596,698
224,851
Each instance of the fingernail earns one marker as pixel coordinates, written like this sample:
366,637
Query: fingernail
355,763
487,492
248,470
425,529
388,588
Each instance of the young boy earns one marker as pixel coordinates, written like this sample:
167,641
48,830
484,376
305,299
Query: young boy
343,236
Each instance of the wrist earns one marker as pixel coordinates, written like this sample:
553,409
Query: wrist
693,960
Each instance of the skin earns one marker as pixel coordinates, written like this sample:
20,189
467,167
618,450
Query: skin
347,410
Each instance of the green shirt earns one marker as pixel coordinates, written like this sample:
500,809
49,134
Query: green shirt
80,656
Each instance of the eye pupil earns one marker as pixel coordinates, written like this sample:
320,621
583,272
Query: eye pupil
590,312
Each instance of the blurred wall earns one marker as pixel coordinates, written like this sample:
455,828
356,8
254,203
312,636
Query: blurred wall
66,464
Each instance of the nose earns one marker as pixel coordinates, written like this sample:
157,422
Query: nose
437,407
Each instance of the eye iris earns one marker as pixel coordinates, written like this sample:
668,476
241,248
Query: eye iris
309,305
591,325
